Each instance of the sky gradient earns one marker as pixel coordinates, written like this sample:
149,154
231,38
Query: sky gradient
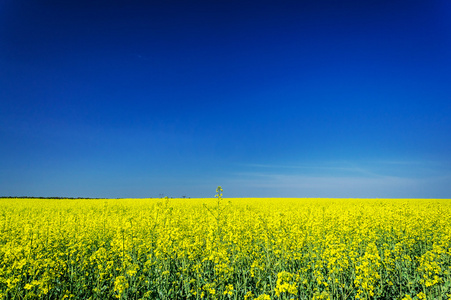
265,98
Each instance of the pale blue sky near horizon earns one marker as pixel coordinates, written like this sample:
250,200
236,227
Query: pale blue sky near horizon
343,99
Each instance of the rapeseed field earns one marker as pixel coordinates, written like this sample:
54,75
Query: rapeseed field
223,248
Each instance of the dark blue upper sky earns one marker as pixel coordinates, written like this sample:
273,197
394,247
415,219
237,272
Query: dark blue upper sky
266,98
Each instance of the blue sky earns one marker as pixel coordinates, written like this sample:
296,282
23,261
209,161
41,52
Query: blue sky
265,98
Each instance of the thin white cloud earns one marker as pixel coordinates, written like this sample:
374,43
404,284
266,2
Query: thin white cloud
347,164
322,168
369,168
260,184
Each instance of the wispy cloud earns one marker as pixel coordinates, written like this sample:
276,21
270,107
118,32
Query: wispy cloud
336,168
369,179
345,164
371,168
261,184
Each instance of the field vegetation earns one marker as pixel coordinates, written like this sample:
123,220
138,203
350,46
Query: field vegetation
225,248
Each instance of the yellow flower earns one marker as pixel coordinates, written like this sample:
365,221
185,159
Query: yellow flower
248,295
229,290
120,284
421,295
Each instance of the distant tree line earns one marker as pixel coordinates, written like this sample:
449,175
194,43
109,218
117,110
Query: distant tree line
33,197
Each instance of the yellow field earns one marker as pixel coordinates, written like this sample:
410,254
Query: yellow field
225,249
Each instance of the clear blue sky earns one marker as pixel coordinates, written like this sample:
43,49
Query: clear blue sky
265,98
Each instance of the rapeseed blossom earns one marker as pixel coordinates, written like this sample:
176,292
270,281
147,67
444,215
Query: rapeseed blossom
225,248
